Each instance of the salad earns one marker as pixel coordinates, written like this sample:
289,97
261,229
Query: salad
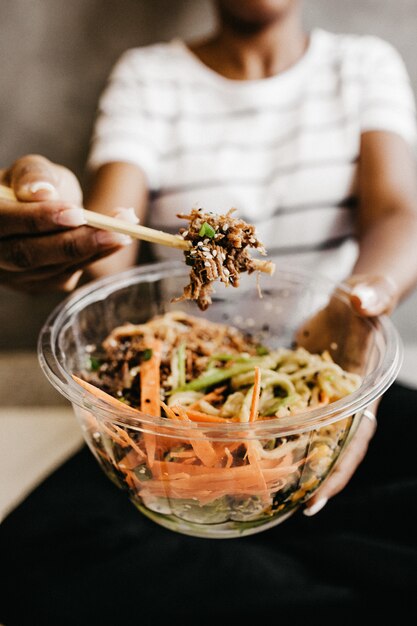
194,373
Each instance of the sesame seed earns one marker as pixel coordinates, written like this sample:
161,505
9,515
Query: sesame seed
226,271
214,253
193,252
200,243
206,240
205,248
185,233
207,263
225,227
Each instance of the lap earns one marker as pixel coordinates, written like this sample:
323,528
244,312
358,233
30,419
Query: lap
77,552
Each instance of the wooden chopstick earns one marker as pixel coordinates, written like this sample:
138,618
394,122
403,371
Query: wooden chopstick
105,222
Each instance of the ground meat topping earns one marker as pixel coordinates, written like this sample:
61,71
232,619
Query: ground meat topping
219,251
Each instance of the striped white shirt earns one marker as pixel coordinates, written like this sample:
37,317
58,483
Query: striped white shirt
282,150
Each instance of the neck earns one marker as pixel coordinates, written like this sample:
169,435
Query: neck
243,53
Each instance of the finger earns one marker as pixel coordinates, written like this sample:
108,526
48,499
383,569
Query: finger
79,245
64,282
33,178
43,275
23,218
344,470
373,296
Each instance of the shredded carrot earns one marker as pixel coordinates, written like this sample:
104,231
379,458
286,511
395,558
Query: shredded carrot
186,454
150,391
202,446
255,396
199,416
168,410
323,397
149,380
101,395
131,460
128,440
212,395
116,438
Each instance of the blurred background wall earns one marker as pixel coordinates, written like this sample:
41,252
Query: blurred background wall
54,59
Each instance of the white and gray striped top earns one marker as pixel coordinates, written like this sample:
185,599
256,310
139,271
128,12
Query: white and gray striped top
282,150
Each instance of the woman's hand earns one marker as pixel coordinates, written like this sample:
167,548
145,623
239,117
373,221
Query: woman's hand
44,243
370,296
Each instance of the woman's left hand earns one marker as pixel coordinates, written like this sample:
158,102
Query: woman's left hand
348,463
370,297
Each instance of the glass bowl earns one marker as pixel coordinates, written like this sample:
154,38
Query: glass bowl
221,501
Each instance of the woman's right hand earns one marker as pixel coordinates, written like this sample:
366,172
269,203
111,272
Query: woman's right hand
44,243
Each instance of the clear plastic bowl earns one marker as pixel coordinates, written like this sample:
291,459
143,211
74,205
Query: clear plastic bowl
234,505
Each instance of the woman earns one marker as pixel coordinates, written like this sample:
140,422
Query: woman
309,136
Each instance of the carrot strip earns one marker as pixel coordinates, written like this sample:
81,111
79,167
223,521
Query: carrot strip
101,395
150,392
131,460
255,396
128,440
202,447
168,410
199,416
212,395
149,380
186,454
254,462
121,442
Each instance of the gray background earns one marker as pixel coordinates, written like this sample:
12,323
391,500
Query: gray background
54,59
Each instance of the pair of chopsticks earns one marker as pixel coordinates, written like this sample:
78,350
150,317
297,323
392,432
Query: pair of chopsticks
105,222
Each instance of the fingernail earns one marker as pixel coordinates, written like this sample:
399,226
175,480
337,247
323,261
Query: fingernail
40,185
367,295
107,238
128,215
70,217
315,508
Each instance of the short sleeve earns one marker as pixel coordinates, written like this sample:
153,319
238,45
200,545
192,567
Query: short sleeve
122,131
387,97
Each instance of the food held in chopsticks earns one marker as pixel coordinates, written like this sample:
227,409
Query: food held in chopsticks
187,370
215,246
219,251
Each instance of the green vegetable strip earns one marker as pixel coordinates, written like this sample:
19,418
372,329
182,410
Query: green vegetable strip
216,376
223,356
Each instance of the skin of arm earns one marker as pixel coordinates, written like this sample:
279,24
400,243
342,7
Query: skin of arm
386,222
386,268
117,185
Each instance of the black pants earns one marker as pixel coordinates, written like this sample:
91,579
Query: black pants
77,552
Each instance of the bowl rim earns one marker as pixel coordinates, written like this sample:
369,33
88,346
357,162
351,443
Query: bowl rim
373,384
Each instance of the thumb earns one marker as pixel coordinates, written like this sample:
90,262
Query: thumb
33,178
372,296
